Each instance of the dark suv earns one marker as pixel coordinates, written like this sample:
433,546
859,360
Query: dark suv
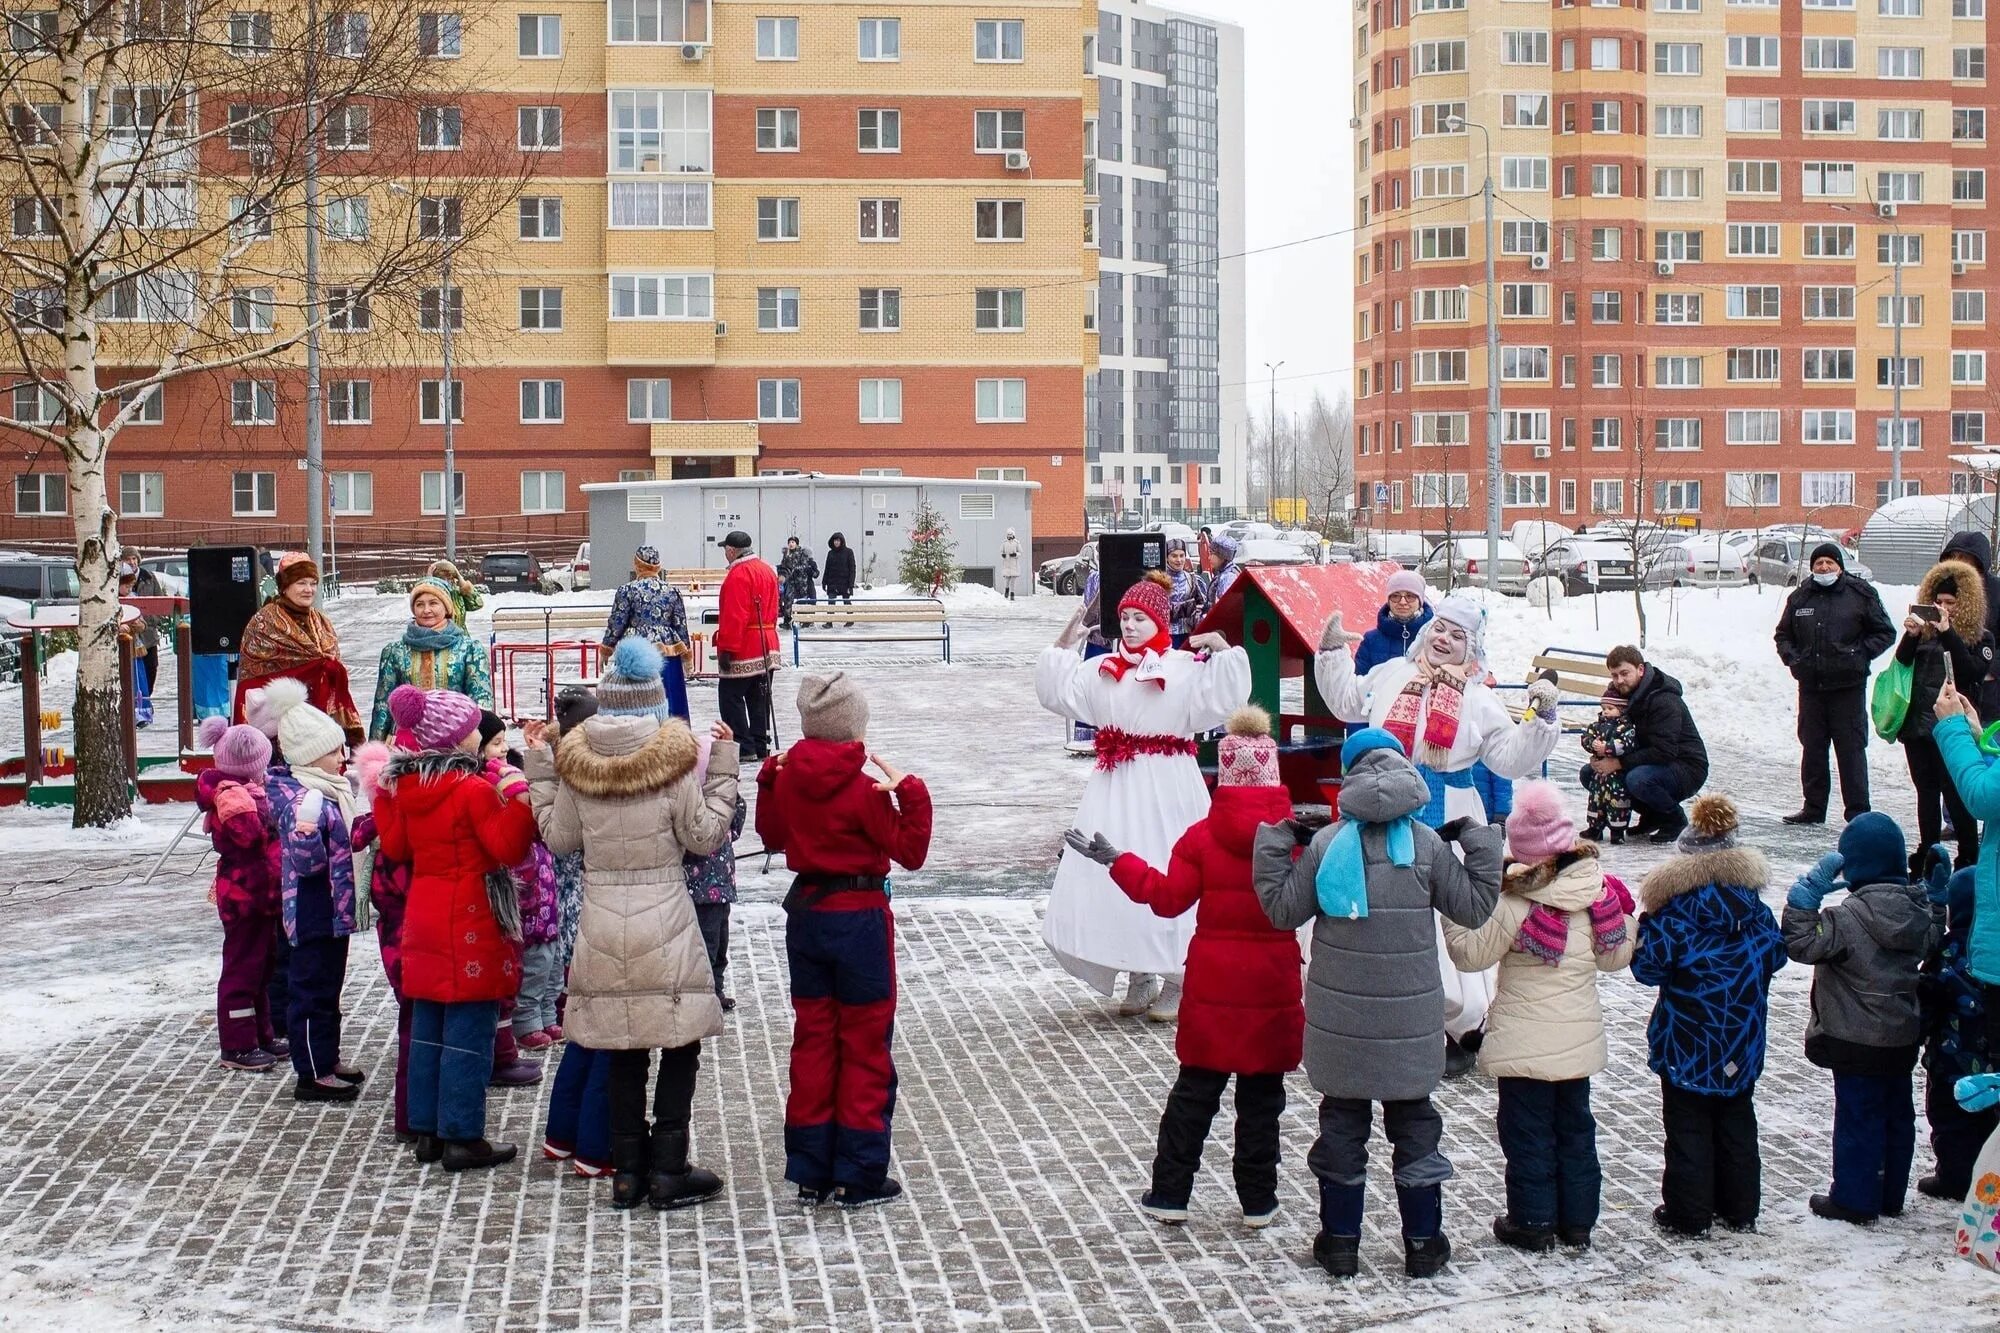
35,578
511,571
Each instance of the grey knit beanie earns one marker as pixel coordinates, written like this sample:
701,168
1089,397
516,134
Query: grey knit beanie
631,683
831,708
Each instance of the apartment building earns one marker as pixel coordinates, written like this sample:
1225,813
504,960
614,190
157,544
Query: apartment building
803,235
1741,256
1166,408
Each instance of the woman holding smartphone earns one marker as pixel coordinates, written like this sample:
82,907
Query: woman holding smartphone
1944,637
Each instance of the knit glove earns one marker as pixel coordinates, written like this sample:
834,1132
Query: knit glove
1607,922
1977,1092
1456,829
1306,827
1937,879
1813,886
1543,697
508,780
1095,847
1616,888
1336,635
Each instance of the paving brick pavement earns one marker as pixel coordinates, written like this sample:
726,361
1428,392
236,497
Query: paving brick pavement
131,1165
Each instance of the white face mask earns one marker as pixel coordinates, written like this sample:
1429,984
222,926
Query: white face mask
1826,580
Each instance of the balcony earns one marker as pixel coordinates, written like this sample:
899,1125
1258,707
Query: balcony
709,448
651,342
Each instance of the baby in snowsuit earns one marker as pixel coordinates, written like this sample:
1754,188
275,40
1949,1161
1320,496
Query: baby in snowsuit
1609,736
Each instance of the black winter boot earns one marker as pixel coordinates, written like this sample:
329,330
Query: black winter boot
1337,1248
474,1154
672,1183
1822,1205
628,1170
1535,1240
1594,832
1340,1256
1426,1258
1425,1249
428,1148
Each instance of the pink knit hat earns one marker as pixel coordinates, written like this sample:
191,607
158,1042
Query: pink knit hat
1247,756
241,752
1540,829
435,719
1404,580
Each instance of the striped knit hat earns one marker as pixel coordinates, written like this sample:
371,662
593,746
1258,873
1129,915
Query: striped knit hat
631,683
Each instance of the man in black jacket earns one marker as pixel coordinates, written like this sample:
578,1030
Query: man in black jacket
1668,764
1972,548
1833,627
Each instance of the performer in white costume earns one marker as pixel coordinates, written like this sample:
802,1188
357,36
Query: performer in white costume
1147,701
1435,701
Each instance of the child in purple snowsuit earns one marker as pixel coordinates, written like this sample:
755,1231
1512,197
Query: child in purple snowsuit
389,891
236,815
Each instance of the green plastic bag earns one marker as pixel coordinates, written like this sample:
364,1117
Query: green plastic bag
1889,700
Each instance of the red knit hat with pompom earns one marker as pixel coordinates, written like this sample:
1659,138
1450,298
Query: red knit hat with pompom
1149,594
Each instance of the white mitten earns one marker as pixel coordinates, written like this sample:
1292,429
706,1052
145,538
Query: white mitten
1543,698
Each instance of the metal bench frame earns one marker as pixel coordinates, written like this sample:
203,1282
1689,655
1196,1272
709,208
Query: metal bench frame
899,611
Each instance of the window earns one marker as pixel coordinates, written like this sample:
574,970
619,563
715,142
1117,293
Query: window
540,217
1437,490
651,21
1000,219
1827,180
436,304
347,35
1607,180
1968,124
1522,363
35,218
1753,177
1517,426
777,129
1751,425
1516,238
1888,314
1829,303
1435,119
1968,428
253,402
140,494
777,310
1829,425
430,492
542,492
429,407
539,128
1899,62
1607,370
999,40
777,400
1752,52
440,128
880,39
1524,48
1829,241
1677,183
1000,309
777,39
350,402
249,34
1000,400
1750,490
1607,307
440,36
1677,247
345,219
1523,111
252,309
1968,247
881,401
1827,53
1968,63
347,127
1677,435
1886,432
881,219
777,219
999,131
1753,239
1445,428
1677,372
879,130
1677,122
1968,307
541,402
1752,302
1606,243
1439,57
540,36
152,410
1448,366
1607,496
1607,434
349,310
247,127
1524,490
1438,305
666,296
1518,300
352,492
1968,9
253,494
1968,185
649,400
1677,497
39,307
542,309
1968,367
1827,115
36,404
1604,53
1524,173
1823,364
665,131
1900,9
1883,487
881,309
1900,123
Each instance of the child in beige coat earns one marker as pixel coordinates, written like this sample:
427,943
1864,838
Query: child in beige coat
1556,927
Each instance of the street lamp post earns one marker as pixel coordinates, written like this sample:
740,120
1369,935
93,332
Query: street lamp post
447,400
1271,447
1492,366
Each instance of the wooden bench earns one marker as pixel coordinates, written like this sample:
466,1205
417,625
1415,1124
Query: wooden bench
563,629
693,580
1581,680
907,620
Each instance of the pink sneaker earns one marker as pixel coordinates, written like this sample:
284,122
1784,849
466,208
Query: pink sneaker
534,1041
589,1170
554,1031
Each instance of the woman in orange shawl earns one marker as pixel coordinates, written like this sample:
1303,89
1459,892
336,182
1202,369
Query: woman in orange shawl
291,637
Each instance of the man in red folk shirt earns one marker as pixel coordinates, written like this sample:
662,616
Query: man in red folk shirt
746,645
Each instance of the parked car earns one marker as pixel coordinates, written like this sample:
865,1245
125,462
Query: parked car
1462,563
571,577
511,571
1342,553
1247,530
10,639
1065,575
1697,561
1174,531
1588,564
1536,535
38,578
1273,551
1404,548
170,570
1785,562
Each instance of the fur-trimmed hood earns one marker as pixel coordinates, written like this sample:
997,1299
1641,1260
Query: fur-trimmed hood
1569,882
610,758
426,769
1734,867
1969,616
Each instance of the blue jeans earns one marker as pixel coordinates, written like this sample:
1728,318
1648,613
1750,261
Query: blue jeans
1874,1137
673,678
1549,1139
579,1104
451,1057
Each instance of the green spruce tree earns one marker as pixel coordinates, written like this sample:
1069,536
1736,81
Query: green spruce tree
929,564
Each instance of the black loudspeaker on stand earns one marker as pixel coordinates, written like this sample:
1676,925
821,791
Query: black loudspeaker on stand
222,596
1123,558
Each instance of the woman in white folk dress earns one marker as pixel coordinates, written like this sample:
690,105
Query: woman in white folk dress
1148,701
1435,701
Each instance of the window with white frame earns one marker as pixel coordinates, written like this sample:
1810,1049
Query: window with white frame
1606,243
999,40
344,219
1607,180
350,402
543,492
1607,307
1891,371
881,401
430,492
878,130
1750,490
1827,425
1676,122
349,310
1752,425
1968,367
777,129
1827,180
1606,53
441,216
1000,309
1968,247
1829,240
1899,123
777,219
1440,429
777,39
1968,307
351,494
1000,400
1517,237
664,296
541,402
1758,176
1968,124
1438,305
1757,240
1968,63
1524,490
1523,111
999,219
1753,301
152,411
1906,311
140,494
252,309
999,131
1524,173
1830,54
1522,363
1607,434
1524,47
539,217
1968,428
1607,495
1445,56
1677,435
1438,182
1677,58
881,309
1438,490
437,306
1968,185
253,494
661,131
1607,370
430,402
778,400
1886,432
538,128
1821,489
440,36
1677,497
1827,302
347,35
660,205
1442,366
1822,365
1677,372
1677,245
879,40
1899,62
1518,300
777,310
1677,184
649,400
440,128
1827,115
253,402
1750,51
539,36
653,22
1438,119
542,309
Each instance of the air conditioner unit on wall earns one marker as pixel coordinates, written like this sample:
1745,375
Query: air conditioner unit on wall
691,51
1885,210
1539,263
1958,270
1665,268
1016,160
1544,451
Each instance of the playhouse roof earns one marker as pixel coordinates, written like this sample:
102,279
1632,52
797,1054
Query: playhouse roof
1305,597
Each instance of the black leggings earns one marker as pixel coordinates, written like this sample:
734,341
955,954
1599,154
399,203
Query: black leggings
673,1093
1933,784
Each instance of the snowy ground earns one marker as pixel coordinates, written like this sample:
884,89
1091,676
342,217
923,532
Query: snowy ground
144,1189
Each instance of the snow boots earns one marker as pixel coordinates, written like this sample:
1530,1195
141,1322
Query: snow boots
628,1170
672,1183
1337,1248
1425,1248
1141,989
476,1154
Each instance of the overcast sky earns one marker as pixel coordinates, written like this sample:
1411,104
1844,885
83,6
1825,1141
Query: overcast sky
1298,69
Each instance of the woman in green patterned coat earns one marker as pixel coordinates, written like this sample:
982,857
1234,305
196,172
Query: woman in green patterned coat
434,653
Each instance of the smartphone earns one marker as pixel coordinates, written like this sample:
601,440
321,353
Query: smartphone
1925,611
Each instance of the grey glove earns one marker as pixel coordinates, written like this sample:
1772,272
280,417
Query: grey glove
1096,847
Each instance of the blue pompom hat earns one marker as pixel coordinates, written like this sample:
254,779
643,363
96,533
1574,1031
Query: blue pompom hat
1365,740
631,686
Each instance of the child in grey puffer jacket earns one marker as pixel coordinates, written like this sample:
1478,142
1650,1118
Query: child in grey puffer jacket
1866,1021
1374,998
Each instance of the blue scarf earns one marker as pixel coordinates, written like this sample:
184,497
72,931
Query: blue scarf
442,639
1342,881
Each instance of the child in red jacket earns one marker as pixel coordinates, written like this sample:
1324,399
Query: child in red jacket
839,829
1243,1010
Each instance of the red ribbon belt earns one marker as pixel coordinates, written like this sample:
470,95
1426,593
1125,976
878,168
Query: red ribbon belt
1116,748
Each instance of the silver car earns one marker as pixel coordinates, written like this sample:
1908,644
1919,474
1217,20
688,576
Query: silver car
1462,563
1786,562
1696,562
1588,564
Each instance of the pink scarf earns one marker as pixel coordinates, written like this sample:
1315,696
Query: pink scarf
1447,696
